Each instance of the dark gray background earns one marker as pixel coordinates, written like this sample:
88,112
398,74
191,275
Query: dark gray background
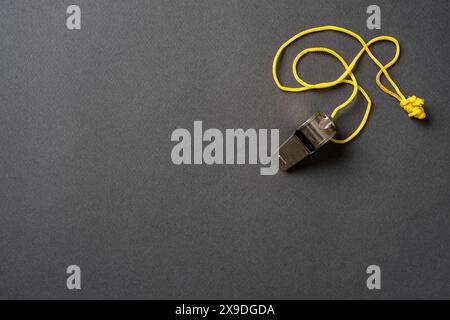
86,175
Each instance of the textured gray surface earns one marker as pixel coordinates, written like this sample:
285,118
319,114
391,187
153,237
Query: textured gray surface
86,176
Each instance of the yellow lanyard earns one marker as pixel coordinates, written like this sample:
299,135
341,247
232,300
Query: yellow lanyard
412,105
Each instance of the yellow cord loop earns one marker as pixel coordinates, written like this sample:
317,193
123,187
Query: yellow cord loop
412,105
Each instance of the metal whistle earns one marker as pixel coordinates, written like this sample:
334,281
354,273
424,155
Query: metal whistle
309,137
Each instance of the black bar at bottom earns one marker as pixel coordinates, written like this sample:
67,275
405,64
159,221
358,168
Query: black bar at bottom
222,309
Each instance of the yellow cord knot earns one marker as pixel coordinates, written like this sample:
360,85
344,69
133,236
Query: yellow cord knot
414,107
